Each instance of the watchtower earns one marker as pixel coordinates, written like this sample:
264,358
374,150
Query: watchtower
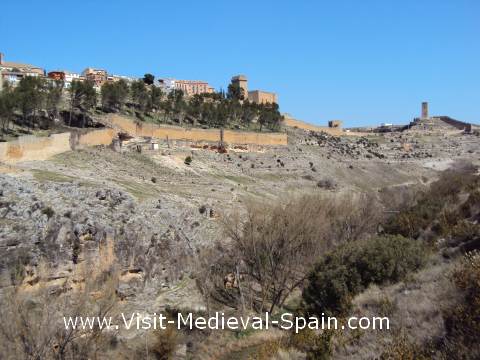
242,82
424,110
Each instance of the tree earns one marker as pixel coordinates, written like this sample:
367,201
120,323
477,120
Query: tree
114,95
273,247
235,92
139,94
352,267
269,116
7,106
249,112
177,104
154,99
83,97
30,96
148,79
54,97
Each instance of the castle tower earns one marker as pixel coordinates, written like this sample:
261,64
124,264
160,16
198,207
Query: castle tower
424,110
242,82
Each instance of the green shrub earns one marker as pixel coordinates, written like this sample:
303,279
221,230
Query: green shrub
464,231
348,270
411,221
188,160
48,211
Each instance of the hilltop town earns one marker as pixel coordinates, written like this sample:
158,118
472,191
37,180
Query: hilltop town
13,72
122,195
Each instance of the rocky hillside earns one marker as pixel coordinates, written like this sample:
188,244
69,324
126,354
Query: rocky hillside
151,214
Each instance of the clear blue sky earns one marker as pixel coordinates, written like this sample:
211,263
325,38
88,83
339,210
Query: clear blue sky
362,61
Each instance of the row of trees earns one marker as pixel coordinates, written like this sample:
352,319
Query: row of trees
210,109
36,99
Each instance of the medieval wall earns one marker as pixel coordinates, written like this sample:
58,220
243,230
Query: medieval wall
305,126
31,147
97,137
455,123
193,134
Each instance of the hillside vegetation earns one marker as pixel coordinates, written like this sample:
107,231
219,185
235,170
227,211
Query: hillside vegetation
37,103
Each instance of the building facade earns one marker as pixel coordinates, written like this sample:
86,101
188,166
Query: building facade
262,97
189,87
14,72
97,76
193,87
256,96
66,76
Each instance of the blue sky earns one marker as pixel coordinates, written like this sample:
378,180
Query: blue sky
364,62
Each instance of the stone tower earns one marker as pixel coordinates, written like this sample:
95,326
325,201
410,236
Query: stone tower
242,82
424,110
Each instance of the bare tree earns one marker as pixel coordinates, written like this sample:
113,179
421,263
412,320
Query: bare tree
274,246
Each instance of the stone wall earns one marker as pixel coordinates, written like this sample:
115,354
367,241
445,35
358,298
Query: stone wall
96,137
455,123
211,135
31,147
305,126
262,97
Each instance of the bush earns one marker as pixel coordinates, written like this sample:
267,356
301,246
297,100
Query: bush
403,349
463,323
327,184
48,211
353,267
188,160
316,346
411,221
278,244
166,341
464,231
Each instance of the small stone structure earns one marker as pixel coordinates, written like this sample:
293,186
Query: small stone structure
335,124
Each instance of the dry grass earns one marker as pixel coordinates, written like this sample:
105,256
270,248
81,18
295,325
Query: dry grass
45,175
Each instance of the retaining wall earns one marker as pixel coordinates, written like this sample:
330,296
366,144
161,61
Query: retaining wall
96,137
31,147
194,134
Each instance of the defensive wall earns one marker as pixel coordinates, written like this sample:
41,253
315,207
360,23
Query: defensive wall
193,134
305,126
30,147
335,131
93,138
455,123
